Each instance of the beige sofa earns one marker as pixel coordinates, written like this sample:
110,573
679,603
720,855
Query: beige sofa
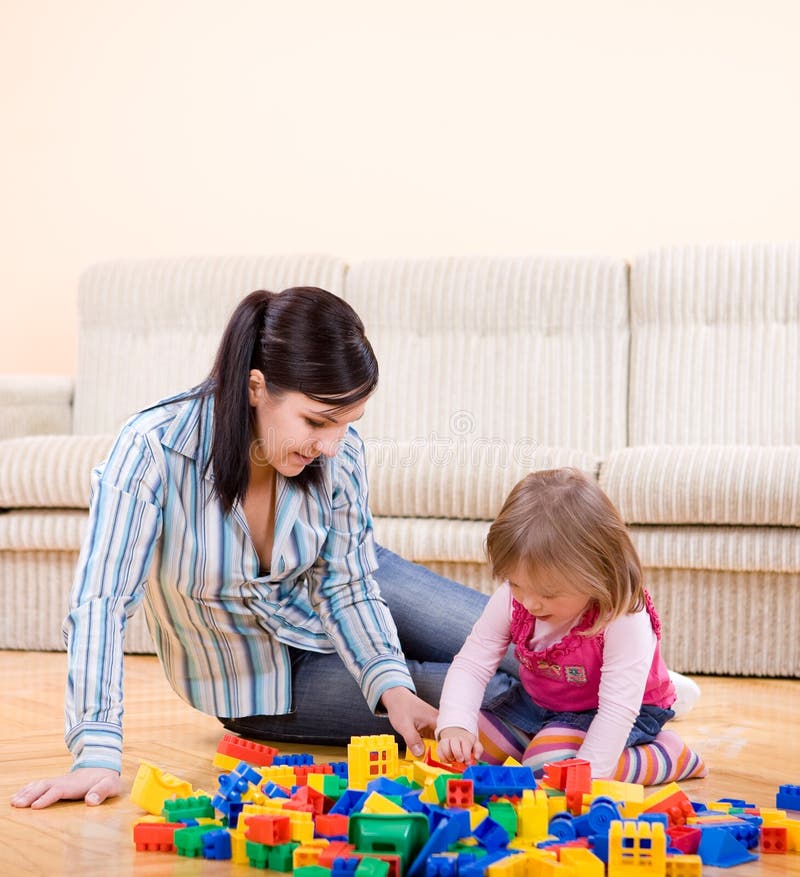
675,380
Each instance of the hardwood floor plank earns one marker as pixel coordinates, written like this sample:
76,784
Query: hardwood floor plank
745,729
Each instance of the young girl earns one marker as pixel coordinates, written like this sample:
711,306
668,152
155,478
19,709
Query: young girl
593,684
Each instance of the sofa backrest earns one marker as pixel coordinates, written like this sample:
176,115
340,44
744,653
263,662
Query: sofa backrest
715,345
526,350
148,329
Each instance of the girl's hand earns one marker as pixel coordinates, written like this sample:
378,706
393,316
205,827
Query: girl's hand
93,784
456,744
409,715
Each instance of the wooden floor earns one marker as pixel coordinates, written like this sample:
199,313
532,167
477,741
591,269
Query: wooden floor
746,729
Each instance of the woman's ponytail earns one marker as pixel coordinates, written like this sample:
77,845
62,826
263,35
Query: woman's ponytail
238,353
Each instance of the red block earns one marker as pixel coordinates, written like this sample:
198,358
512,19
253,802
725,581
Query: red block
246,750
338,849
677,806
774,839
157,836
269,828
460,793
685,838
331,824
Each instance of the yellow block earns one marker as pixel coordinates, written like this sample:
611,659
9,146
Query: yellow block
533,815
512,762
308,853
636,848
618,791
771,815
225,762
152,786
301,826
377,803
477,813
684,866
425,773
583,862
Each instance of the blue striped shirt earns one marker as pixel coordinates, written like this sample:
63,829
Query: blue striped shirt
157,534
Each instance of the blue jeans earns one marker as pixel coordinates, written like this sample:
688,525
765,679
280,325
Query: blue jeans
517,708
433,615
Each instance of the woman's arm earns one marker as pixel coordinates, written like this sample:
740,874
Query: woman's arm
346,597
629,646
124,525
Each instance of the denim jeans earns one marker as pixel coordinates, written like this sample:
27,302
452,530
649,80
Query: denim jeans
433,615
517,708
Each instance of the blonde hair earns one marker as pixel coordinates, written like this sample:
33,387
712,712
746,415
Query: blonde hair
560,519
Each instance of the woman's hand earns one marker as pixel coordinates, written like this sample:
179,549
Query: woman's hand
457,744
93,784
409,715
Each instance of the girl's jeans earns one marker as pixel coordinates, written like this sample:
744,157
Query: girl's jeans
433,615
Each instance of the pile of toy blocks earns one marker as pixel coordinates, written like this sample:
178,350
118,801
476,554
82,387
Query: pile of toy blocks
378,815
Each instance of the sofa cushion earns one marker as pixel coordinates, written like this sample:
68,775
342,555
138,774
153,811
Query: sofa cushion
50,471
509,349
460,480
705,484
150,328
715,345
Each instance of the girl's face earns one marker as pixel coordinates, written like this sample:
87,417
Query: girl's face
292,430
547,594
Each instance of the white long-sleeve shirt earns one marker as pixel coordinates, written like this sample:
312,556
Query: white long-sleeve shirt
629,646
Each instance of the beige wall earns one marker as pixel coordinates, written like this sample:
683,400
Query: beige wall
167,127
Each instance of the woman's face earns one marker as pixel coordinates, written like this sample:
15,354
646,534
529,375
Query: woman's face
292,430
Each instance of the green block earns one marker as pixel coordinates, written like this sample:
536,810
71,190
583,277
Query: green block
280,857
257,854
402,834
369,867
312,871
504,813
181,809
189,841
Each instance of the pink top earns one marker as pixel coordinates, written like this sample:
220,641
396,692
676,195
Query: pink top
615,671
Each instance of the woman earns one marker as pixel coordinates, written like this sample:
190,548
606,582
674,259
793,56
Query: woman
238,514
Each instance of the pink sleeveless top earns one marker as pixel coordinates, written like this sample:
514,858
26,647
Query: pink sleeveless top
566,676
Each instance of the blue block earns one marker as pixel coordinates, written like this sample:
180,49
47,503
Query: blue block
339,768
602,812
599,845
478,868
446,832
561,825
344,867
217,844
385,786
350,801
720,848
298,759
788,797
489,780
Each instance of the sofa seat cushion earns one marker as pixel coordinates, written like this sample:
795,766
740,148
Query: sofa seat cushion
42,529
719,549
50,471
455,480
723,484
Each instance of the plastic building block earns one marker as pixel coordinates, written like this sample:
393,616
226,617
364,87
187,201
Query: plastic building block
719,847
503,812
152,786
189,841
311,871
280,857
272,829
459,793
372,867
774,839
672,801
684,866
532,815
336,850
350,802
331,825
159,836
216,844
636,848
295,760
491,835
181,809
233,750
582,861
788,797
371,757
573,776
685,838
344,866
562,828
602,812
308,853
489,780
403,835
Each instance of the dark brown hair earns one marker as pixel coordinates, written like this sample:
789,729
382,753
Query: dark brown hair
305,340
560,519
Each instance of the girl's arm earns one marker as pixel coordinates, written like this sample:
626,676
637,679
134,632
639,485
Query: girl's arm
475,664
629,646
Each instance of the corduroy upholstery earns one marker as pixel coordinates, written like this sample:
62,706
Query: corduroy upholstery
675,380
